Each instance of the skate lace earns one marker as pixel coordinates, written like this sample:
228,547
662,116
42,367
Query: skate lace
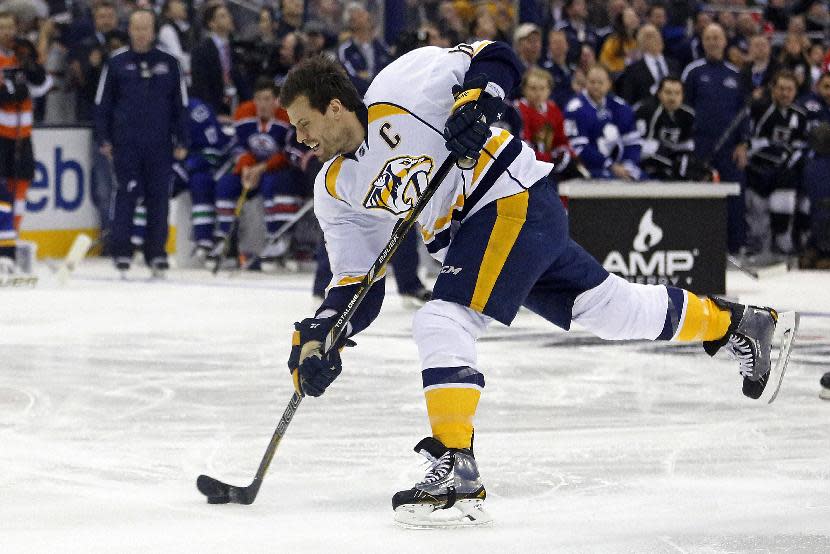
741,349
438,469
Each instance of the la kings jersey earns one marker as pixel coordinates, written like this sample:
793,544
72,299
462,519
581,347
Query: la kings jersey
359,197
777,136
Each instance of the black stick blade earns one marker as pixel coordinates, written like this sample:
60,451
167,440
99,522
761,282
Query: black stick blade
216,491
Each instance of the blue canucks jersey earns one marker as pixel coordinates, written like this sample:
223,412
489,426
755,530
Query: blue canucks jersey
603,134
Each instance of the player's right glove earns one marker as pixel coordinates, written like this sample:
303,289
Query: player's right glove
468,127
311,371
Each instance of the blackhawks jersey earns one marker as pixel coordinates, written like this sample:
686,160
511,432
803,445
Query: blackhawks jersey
359,197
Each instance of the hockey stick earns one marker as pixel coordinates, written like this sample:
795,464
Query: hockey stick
218,492
757,273
237,211
276,236
727,133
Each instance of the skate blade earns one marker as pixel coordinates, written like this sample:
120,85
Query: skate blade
464,513
785,330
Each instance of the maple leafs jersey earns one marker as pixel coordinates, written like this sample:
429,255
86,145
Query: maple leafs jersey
359,197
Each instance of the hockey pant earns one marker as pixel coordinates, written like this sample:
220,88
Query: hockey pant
777,215
17,168
817,189
281,192
404,266
515,252
141,180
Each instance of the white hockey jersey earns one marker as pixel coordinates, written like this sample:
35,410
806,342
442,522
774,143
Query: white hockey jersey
358,198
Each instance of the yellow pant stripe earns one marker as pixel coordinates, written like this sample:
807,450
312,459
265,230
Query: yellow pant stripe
512,213
703,320
451,411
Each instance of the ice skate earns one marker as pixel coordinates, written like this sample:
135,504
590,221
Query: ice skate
159,267
11,276
273,256
825,386
450,495
749,340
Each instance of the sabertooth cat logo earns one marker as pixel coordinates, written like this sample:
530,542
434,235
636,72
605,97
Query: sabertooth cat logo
391,189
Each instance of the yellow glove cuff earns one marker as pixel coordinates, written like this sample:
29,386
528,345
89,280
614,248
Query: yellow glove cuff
466,96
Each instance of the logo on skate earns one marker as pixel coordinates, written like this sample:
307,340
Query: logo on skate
399,183
655,267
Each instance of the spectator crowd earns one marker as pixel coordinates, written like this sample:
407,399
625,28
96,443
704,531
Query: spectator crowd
613,89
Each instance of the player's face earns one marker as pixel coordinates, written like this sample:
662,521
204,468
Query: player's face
7,31
597,84
671,95
265,103
823,88
324,133
784,92
536,90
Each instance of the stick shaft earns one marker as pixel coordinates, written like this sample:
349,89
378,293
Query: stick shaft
386,254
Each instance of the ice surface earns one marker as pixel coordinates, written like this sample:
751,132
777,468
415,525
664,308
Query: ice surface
115,395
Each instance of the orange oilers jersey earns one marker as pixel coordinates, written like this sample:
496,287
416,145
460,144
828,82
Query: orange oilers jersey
15,113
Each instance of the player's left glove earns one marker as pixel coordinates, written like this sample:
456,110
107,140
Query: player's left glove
311,371
468,126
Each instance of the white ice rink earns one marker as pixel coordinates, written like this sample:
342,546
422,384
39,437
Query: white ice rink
115,395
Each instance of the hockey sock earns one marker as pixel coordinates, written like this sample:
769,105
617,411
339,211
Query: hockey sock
693,318
452,395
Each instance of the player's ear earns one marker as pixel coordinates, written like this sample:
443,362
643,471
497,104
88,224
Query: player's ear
335,108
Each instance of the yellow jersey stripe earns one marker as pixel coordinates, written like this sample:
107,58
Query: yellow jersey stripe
484,44
491,147
381,110
444,220
512,214
331,177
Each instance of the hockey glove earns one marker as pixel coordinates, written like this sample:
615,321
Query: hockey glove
311,371
468,126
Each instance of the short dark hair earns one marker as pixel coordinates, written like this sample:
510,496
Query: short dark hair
787,74
266,83
210,13
669,79
321,80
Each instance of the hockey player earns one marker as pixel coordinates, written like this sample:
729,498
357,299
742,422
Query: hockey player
498,227
777,144
666,126
265,167
210,150
21,79
602,130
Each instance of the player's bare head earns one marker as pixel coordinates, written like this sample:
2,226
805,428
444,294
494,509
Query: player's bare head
8,28
784,87
597,83
823,87
670,93
322,103
714,41
265,97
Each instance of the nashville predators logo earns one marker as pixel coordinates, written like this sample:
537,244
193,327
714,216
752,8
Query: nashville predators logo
399,183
